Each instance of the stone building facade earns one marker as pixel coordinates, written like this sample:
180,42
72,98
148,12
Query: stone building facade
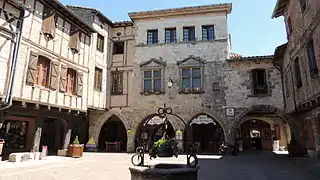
299,59
50,88
182,59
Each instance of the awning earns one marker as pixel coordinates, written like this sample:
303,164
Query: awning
203,119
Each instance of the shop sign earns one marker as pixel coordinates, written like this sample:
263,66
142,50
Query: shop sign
203,119
156,120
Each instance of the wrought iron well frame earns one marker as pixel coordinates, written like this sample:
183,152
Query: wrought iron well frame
164,112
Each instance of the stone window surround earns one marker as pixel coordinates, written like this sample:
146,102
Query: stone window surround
160,66
201,65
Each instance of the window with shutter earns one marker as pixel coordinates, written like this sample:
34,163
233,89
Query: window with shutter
32,68
48,24
79,83
259,81
54,78
43,68
71,81
63,78
98,79
74,41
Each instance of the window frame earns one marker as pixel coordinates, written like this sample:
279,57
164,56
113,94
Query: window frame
73,73
114,52
255,85
152,36
170,35
191,31
207,33
153,79
100,42
191,77
114,83
297,73
312,59
43,61
98,74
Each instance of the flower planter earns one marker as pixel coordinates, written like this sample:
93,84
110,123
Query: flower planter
75,150
164,148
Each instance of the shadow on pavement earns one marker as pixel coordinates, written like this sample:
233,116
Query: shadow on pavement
252,165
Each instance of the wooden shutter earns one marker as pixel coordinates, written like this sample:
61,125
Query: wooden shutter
48,24
79,83
74,41
54,75
32,68
63,79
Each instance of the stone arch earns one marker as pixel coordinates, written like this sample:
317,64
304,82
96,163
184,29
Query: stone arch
207,138
103,119
217,118
142,121
266,108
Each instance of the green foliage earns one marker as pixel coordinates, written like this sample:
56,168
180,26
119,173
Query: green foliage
76,140
164,145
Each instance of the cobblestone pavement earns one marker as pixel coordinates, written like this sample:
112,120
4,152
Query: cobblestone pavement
100,166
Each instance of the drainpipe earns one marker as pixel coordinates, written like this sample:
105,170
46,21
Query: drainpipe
8,99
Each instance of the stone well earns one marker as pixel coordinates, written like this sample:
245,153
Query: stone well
164,172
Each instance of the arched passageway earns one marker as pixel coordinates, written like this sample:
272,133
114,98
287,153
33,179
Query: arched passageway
207,134
52,135
263,128
151,131
256,134
113,136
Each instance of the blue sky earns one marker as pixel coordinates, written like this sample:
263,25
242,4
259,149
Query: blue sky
253,32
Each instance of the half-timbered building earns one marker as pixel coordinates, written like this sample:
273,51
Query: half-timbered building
50,87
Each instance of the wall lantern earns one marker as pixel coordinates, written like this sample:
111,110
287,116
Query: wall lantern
129,130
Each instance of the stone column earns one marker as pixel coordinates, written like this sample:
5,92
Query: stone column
131,140
316,132
37,133
67,134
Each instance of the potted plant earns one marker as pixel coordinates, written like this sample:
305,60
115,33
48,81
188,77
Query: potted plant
75,149
164,147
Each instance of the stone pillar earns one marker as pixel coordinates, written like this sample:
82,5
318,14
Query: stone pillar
131,141
67,134
37,134
316,131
